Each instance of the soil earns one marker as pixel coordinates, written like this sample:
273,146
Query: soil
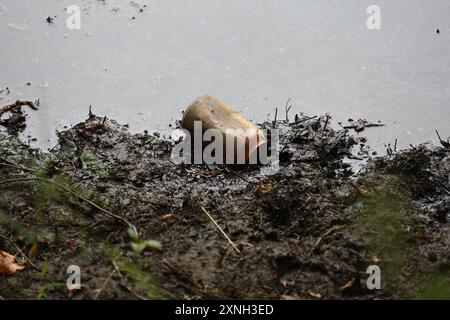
308,232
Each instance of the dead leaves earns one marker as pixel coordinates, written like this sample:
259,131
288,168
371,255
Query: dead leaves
316,295
7,264
263,188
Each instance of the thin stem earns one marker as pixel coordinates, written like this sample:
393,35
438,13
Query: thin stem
220,229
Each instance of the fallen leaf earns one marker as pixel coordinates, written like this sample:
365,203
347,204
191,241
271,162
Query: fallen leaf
63,211
419,235
33,251
264,188
364,192
283,281
207,173
348,285
315,295
166,216
73,244
7,264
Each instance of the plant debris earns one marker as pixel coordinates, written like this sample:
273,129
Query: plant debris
361,124
17,121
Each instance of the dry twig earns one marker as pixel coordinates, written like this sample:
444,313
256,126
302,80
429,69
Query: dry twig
331,230
220,229
102,288
287,108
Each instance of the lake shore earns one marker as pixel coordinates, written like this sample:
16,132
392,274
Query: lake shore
139,226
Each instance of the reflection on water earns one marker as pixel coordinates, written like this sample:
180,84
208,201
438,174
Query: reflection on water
142,62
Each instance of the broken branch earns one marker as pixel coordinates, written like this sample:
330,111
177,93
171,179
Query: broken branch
18,104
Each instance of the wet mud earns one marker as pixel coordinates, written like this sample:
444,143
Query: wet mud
140,226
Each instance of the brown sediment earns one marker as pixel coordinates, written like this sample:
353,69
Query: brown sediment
309,231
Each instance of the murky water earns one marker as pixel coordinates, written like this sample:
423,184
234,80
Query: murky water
143,62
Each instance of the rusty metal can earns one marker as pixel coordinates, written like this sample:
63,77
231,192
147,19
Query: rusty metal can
234,127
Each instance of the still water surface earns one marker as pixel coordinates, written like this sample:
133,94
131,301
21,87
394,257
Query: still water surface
143,62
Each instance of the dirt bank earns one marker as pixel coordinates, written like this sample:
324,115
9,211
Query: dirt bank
308,232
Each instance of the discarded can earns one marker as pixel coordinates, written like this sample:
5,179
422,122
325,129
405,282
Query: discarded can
241,139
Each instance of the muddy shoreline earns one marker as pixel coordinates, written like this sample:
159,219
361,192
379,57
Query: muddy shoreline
308,232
